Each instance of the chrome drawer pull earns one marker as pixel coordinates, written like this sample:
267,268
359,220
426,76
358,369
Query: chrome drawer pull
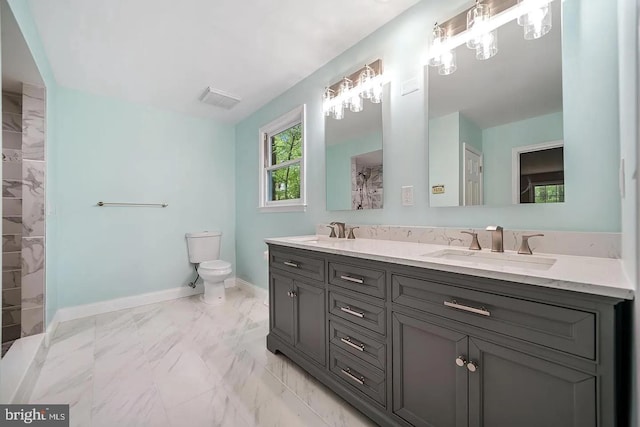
454,304
351,312
291,264
348,373
348,342
352,279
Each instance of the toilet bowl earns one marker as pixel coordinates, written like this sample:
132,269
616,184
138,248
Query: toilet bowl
204,250
213,274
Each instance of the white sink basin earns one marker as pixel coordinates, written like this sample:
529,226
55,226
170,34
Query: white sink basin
528,262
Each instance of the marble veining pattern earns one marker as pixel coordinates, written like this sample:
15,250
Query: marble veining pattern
11,103
11,122
33,197
33,260
11,279
32,321
33,125
600,245
183,363
11,140
11,188
12,224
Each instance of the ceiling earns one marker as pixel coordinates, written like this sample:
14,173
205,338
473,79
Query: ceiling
18,65
523,80
165,53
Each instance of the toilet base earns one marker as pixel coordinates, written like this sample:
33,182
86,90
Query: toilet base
213,293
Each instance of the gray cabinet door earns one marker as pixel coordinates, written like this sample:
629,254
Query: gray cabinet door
510,389
429,389
309,312
281,306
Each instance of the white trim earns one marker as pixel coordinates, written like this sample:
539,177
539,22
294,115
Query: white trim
254,290
17,364
471,148
51,329
87,310
515,164
293,117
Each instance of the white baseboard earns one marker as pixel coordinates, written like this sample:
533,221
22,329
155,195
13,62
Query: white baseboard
254,290
86,310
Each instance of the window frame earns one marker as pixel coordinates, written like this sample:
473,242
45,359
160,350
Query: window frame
282,123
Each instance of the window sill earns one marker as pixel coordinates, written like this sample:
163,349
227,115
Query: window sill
282,208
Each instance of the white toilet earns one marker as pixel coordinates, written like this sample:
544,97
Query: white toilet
204,249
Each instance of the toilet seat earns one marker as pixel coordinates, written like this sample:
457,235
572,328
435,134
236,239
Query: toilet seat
216,265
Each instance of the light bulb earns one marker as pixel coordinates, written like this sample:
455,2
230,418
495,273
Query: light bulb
364,82
538,21
343,92
376,96
337,112
436,43
477,20
326,101
448,63
356,103
487,45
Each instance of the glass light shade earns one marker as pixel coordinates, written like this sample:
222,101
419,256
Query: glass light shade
356,104
477,21
436,43
337,112
376,96
364,81
487,45
343,92
326,99
448,63
536,23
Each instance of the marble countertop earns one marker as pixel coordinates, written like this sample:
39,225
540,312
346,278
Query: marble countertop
598,276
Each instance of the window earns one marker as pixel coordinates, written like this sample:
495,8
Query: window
282,163
549,193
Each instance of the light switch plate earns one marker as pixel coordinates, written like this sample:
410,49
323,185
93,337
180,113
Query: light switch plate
407,195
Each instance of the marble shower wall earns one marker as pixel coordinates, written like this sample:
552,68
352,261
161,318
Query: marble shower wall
33,210
11,215
366,186
601,245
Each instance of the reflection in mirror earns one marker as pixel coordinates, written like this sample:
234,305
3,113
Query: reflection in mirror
539,173
354,159
486,109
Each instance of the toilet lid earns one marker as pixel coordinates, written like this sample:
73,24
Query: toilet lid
216,264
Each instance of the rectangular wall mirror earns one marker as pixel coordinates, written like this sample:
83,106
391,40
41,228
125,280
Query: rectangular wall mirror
496,125
354,158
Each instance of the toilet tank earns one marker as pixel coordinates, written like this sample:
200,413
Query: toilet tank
203,246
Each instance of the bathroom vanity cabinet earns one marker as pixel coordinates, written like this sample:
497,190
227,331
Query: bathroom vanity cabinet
412,346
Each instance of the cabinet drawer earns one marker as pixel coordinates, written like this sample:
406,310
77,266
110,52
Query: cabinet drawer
362,378
357,311
358,279
298,263
358,344
565,329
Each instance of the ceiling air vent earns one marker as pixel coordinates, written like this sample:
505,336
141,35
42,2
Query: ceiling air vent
218,98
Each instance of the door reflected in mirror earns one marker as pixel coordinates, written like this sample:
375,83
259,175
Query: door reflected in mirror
354,166
539,172
486,109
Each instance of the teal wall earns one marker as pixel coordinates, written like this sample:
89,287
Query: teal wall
497,145
22,13
339,167
112,150
591,138
470,133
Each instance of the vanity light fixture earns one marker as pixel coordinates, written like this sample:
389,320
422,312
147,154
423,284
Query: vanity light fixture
538,21
483,39
446,60
345,95
482,22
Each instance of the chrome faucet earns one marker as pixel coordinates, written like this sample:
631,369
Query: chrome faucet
341,229
496,238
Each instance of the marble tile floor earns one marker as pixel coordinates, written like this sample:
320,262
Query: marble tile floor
183,363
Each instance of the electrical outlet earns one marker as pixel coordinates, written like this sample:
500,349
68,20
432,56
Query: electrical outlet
407,195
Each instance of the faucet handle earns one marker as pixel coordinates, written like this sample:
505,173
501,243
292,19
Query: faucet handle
475,245
525,249
351,235
333,231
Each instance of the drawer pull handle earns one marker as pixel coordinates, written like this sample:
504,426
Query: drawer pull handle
454,304
351,312
352,279
472,366
348,342
292,264
348,373
461,361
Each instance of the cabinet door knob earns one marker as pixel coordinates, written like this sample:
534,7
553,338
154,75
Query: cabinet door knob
461,361
293,295
472,366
